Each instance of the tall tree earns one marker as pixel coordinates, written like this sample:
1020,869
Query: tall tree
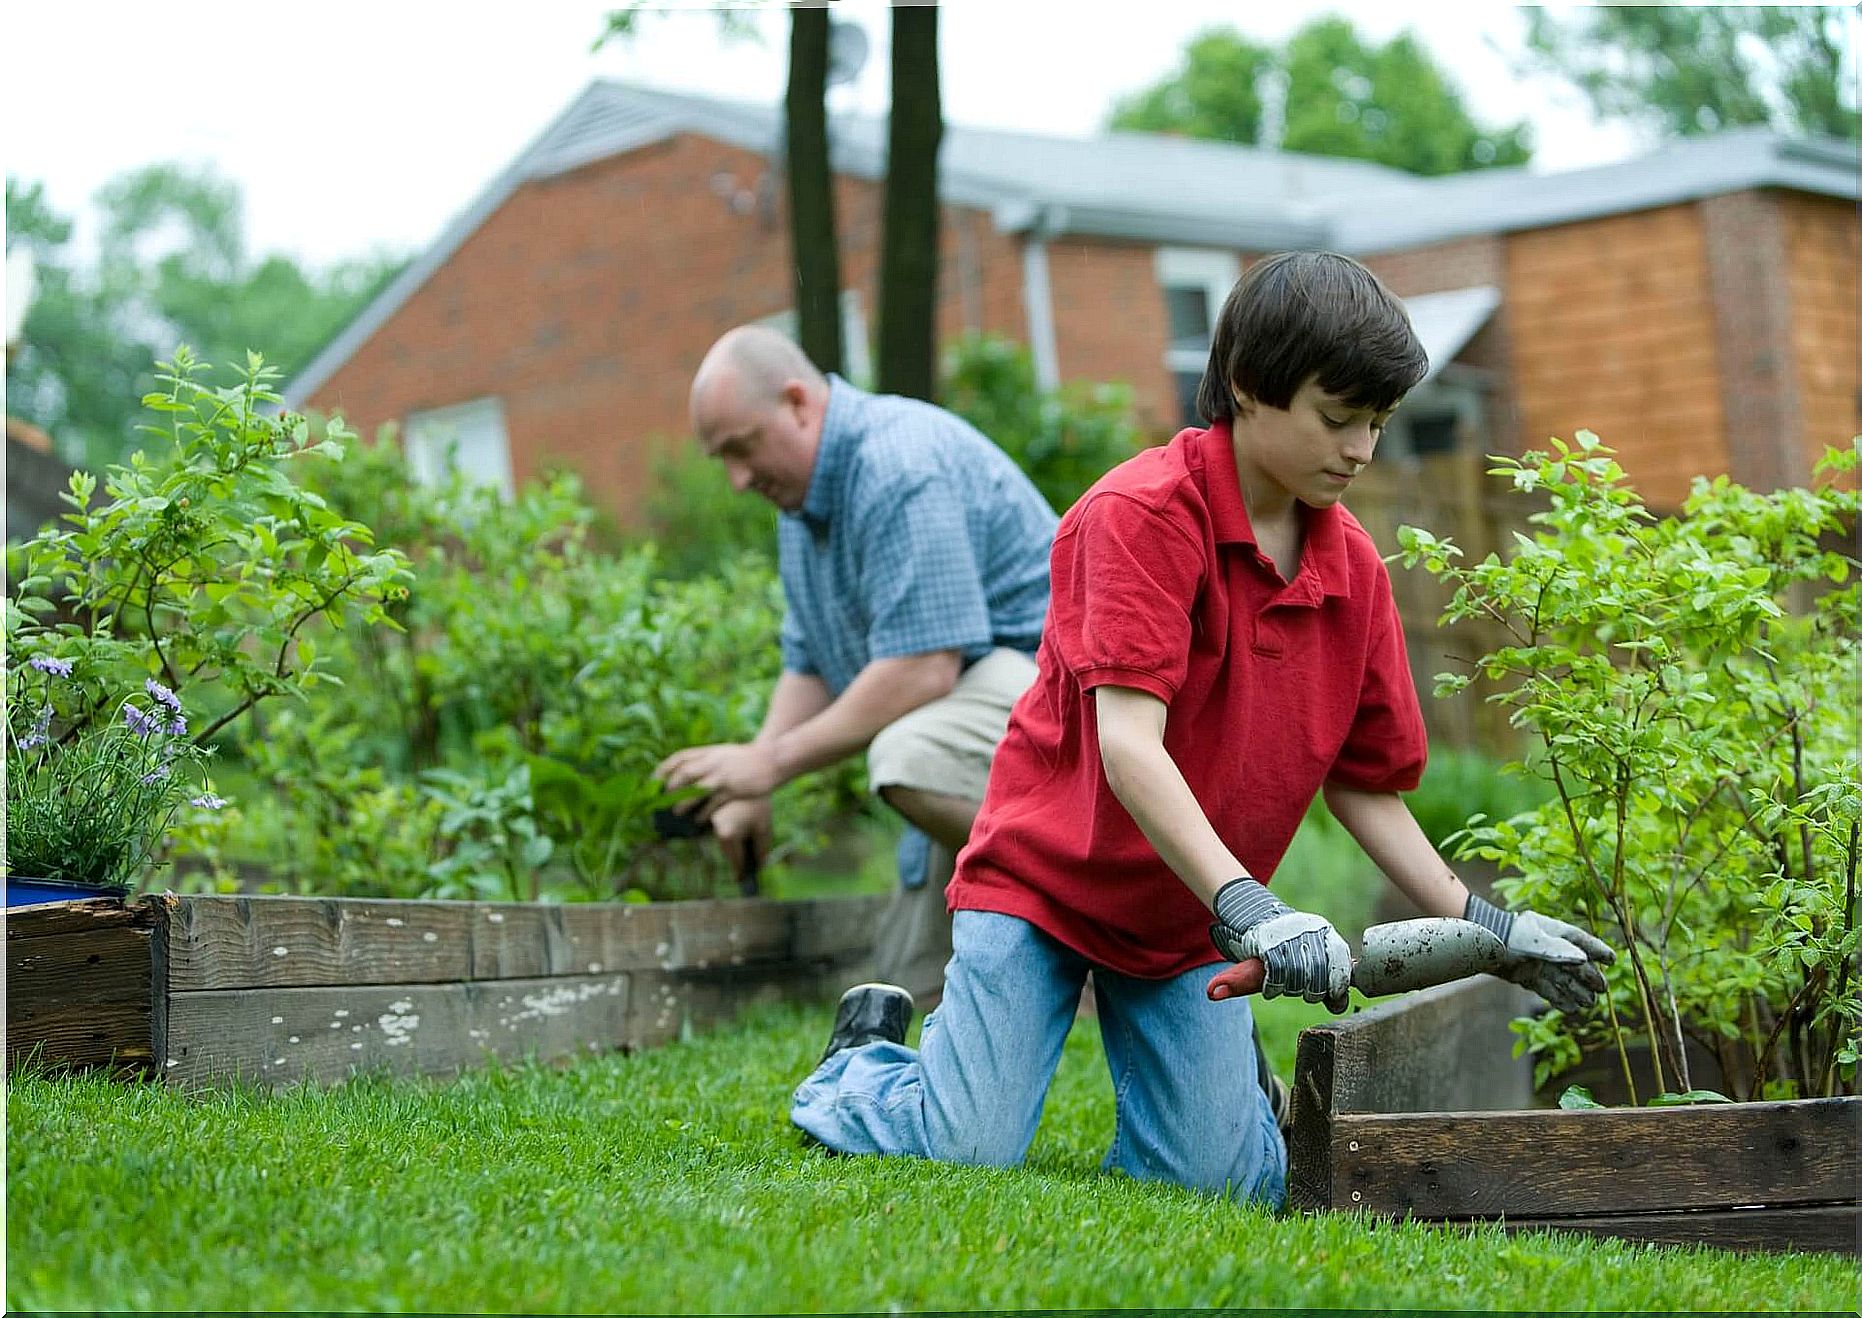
909,257
814,247
815,251
1688,70
171,268
1216,92
1345,96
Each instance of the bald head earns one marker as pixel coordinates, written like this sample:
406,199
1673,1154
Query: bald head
757,406
754,364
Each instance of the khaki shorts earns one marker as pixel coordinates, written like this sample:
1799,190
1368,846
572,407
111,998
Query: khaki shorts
946,747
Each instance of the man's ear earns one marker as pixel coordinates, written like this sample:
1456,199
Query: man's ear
1244,405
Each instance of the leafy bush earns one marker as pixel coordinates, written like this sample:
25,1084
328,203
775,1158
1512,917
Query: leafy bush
697,520
516,714
1699,742
204,573
1460,785
1064,439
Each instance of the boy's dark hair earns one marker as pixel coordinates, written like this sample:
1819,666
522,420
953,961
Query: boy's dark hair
1298,314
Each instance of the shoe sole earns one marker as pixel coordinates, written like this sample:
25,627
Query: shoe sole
889,988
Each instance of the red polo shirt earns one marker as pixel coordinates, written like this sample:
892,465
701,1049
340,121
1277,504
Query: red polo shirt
1274,688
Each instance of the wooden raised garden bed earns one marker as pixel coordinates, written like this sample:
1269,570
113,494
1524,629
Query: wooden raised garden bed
198,989
1417,1108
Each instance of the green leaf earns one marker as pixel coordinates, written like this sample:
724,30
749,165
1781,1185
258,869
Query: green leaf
1576,1098
1692,1096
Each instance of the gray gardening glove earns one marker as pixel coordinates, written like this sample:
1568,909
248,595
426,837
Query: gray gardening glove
1558,961
1302,953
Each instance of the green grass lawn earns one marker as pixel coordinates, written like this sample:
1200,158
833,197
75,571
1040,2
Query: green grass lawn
671,1181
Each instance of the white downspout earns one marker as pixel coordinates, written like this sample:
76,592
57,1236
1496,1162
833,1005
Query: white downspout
1038,304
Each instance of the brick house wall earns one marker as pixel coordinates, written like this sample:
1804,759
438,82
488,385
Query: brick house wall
586,300
1612,328
1820,241
1109,323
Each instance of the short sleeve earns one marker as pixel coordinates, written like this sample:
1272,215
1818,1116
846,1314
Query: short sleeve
1125,582
1387,746
795,656
918,575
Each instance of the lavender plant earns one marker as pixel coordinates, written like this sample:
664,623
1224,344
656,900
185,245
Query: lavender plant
91,805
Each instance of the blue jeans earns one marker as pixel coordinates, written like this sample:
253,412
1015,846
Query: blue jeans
1190,1109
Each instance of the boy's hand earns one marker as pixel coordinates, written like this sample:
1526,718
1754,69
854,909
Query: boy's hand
1556,960
1302,953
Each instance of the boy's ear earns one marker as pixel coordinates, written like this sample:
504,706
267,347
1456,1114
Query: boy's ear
1243,403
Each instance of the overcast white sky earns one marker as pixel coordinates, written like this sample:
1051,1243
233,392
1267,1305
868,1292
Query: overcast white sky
352,125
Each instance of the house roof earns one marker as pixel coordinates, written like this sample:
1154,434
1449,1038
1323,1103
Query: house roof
1143,187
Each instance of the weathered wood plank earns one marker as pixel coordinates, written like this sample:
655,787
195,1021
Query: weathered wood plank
1831,1228
217,942
283,1035
82,996
74,917
80,1037
669,1005
281,942
515,941
1309,1142
1555,1164
836,927
1446,1049
278,1036
107,964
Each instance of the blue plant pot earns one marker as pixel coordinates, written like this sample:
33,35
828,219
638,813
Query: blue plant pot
35,892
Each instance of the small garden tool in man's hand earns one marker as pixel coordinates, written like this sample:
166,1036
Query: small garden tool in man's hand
673,825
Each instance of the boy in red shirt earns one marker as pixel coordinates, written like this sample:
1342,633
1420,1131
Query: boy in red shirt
1222,645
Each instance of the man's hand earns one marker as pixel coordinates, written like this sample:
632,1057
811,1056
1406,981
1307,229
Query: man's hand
1302,953
737,823
728,771
1558,961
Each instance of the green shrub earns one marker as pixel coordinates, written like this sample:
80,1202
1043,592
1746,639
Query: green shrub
516,715
697,520
1064,439
206,573
1459,785
1698,740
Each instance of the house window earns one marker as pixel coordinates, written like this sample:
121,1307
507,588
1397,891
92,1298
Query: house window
856,348
468,438
1195,282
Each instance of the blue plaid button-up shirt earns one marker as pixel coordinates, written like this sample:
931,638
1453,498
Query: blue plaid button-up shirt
917,534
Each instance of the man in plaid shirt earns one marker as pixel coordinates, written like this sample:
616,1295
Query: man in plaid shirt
914,561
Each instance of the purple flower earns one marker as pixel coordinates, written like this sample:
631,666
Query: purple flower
156,776
177,726
40,728
139,723
56,667
207,801
163,696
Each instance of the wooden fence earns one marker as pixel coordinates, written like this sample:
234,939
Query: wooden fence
1449,495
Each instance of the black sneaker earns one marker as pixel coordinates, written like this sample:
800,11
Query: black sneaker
1279,1097
867,1013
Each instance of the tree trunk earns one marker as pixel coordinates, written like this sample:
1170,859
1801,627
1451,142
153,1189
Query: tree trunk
908,263
811,189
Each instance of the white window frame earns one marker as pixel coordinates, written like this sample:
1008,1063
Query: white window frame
432,440
1212,270
856,347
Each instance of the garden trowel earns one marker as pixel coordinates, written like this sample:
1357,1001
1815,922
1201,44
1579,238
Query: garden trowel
1397,957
